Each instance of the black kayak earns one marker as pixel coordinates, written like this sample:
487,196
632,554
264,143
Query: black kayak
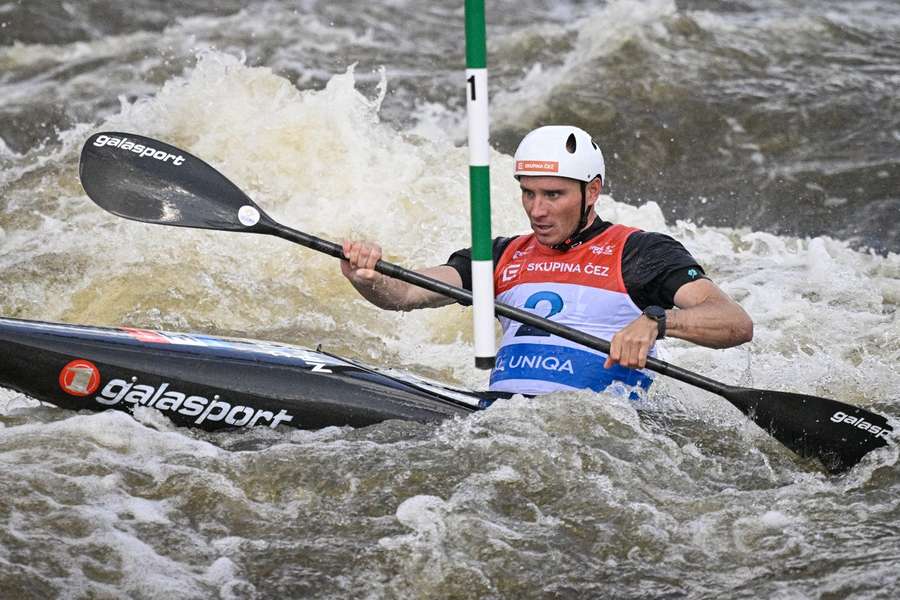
212,382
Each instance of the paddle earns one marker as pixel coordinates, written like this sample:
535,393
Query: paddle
147,180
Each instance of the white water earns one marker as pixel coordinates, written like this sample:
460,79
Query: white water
571,494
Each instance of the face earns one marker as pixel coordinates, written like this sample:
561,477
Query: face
553,205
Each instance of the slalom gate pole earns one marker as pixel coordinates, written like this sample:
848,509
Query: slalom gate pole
480,185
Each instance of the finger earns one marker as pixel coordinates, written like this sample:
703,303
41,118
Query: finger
372,256
356,250
635,347
346,265
628,355
642,356
614,352
359,255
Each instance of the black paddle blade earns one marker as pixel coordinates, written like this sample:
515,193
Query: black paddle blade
147,180
838,434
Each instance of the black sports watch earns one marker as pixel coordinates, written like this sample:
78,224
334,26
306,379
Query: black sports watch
658,314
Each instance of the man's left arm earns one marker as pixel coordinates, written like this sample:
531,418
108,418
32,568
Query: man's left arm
705,315
708,316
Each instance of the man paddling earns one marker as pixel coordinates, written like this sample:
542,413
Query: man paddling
609,280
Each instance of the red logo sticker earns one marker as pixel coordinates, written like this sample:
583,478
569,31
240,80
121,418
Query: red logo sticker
543,166
145,335
79,378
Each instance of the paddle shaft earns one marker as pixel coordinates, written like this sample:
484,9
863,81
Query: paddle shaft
465,297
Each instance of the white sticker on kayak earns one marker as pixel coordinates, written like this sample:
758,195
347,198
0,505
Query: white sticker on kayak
248,215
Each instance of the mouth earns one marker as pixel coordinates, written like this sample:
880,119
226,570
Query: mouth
546,233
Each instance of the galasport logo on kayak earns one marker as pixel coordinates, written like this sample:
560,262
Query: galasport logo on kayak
860,423
82,378
165,399
79,378
141,150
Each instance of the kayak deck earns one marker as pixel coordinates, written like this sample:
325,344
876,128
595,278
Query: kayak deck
211,382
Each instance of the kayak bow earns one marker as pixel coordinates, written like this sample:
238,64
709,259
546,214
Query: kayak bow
211,382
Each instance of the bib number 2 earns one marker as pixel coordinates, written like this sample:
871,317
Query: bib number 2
556,306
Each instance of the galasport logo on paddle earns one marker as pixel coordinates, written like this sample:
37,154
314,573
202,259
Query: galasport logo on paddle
860,423
141,150
164,399
79,378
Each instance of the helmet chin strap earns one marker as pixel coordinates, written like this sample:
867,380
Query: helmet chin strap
582,222
572,238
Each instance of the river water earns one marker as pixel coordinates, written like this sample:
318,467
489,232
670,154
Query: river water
764,135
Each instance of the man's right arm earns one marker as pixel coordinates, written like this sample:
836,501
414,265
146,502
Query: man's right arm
387,292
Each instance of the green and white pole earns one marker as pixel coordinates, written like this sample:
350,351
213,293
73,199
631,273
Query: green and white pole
480,185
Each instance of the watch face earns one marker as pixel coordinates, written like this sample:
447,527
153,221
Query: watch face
655,312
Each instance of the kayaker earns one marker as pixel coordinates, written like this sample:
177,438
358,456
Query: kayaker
613,281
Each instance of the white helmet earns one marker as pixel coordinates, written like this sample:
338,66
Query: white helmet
560,151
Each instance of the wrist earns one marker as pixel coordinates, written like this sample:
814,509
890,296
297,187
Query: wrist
660,317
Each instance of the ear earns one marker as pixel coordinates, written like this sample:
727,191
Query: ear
593,189
592,194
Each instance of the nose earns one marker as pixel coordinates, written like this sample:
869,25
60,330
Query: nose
537,208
